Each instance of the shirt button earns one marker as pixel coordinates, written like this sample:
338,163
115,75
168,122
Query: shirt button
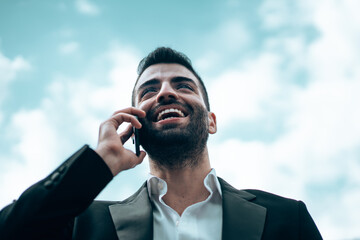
177,223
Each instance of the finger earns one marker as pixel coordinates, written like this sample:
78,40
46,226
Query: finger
131,110
140,158
142,155
133,161
126,134
119,118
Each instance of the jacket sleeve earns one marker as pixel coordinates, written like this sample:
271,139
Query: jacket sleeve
308,229
47,209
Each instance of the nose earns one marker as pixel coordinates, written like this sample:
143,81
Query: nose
167,93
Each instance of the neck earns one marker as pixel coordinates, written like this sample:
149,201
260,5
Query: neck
185,184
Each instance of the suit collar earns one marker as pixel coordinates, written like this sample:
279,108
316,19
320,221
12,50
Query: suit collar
242,219
133,217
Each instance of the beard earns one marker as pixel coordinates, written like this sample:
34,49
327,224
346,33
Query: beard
176,147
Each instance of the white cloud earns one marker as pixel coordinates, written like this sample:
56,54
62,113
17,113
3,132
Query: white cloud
334,56
240,93
229,38
321,138
68,48
87,7
277,14
68,117
9,69
319,145
30,155
234,35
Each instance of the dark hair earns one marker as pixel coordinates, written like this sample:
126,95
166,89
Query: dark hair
168,55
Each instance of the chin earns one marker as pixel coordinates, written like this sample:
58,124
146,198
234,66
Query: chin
170,126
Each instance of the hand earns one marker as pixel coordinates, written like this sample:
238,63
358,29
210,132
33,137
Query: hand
111,144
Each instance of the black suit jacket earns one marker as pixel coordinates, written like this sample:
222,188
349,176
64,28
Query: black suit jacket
61,207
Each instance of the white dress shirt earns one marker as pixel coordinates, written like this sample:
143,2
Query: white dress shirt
202,220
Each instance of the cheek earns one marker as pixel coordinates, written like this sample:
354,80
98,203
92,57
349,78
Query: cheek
196,100
145,105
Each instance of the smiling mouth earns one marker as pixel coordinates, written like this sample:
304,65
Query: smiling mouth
169,113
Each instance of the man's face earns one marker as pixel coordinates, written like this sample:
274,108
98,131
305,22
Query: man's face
175,110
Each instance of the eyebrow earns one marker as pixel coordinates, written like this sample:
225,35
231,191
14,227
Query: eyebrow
155,81
183,79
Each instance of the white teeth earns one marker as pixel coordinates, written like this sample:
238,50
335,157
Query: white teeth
170,110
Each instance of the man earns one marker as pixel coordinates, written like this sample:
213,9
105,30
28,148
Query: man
182,199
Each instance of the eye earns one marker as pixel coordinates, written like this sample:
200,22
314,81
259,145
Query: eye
185,85
147,91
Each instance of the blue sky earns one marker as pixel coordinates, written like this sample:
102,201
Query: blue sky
283,79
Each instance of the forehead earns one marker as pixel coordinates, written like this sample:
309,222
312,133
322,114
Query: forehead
165,71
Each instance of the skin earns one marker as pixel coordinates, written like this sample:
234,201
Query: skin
159,84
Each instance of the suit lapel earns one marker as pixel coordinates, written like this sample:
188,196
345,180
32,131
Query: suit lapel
242,219
133,217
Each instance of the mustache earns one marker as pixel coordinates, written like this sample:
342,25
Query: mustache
150,115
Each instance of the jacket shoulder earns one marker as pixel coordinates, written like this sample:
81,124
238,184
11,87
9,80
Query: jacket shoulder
285,216
270,198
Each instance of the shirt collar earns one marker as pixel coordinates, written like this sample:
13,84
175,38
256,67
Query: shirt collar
157,186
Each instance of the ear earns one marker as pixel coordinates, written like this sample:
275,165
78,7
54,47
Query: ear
212,123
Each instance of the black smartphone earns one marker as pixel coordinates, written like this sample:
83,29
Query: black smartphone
136,141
